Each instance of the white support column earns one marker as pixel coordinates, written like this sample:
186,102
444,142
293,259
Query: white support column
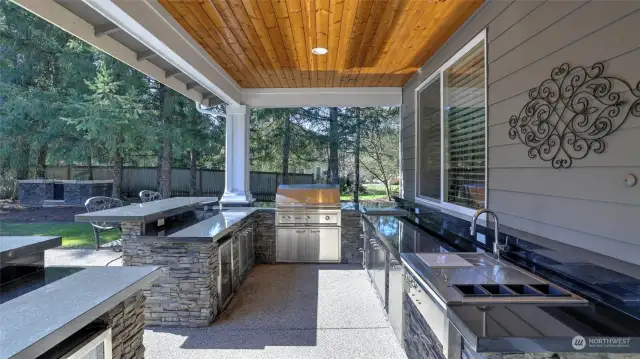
236,187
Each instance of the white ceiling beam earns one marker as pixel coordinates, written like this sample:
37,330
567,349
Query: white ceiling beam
105,29
325,96
145,55
172,73
191,85
66,20
149,23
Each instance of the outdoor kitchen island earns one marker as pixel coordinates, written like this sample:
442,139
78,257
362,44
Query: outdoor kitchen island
53,312
206,254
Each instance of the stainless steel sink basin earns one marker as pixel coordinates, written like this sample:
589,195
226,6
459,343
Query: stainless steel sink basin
480,278
453,260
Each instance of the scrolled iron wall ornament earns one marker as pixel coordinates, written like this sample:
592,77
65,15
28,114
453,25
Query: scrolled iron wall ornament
570,114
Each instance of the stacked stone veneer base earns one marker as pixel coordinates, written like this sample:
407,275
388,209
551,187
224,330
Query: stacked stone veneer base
126,321
351,237
419,340
187,294
264,242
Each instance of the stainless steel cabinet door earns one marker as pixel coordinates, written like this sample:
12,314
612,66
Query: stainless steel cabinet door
225,281
250,252
381,274
290,243
242,251
324,245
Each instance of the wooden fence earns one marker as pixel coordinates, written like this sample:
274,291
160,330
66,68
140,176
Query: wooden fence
209,182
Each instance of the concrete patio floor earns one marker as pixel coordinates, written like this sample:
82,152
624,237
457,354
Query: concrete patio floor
82,257
289,311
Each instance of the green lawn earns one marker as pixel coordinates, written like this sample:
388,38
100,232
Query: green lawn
374,192
73,234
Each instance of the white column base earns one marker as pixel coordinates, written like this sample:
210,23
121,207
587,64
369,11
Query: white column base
236,198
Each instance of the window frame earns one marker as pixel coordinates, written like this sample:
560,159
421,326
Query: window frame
481,37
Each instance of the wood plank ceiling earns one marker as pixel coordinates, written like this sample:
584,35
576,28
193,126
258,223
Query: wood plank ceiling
267,43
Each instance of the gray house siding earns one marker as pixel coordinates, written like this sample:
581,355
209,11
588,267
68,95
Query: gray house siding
587,205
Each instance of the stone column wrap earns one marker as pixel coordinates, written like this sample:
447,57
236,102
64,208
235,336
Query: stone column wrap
264,241
351,237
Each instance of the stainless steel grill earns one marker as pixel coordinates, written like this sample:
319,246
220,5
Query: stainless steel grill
308,224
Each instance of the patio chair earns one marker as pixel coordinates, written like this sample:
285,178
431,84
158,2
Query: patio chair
100,203
149,196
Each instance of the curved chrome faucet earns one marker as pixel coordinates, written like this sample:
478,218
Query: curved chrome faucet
496,224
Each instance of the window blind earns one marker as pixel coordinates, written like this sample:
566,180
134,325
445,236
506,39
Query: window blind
464,130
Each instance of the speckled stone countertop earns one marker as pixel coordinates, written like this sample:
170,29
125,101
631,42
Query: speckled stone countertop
216,226
146,212
18,246
34,322
210,229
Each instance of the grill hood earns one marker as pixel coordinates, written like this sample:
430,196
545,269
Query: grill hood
308,194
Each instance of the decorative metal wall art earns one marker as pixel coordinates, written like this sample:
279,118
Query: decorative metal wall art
570,114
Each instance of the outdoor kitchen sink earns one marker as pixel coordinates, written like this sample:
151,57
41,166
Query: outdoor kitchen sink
481,278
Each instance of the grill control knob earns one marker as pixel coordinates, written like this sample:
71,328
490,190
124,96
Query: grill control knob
327,218
308,217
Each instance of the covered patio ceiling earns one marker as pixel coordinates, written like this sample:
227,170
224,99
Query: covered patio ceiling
268,43
259,52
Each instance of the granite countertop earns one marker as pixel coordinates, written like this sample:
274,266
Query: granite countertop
38,320
210,229
146,212
517,327
18,246
387,229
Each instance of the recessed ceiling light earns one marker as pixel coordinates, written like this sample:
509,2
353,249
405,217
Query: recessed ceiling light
319,51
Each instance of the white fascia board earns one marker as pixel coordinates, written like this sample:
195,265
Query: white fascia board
323,96
148,22
66,20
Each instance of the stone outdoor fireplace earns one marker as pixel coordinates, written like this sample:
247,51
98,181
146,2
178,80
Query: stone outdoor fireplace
46,192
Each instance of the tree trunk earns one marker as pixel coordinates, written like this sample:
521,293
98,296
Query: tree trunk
117,174
90,166
333,146
286,145
158,172
41,162
193,171
22,168
356,159
166,163
387,189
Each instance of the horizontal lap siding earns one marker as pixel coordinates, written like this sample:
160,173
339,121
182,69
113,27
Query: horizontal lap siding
586,205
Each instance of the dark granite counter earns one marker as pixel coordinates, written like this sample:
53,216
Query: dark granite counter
34,322
521,328
590,280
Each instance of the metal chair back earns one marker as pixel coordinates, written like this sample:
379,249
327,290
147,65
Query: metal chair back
149,196
100,203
